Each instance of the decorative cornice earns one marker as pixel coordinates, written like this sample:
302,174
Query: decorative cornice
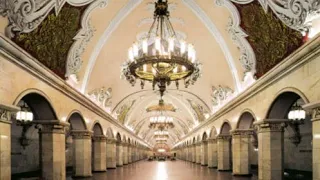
6,112
111,141
100,138
74,61
191,4
51,126
121,15
242,132
296,14
223,137
238,36
271,125
81,134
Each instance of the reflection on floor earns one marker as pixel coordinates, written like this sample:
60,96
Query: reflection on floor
165,170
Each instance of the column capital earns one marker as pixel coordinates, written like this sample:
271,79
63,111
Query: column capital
212,140
52,126
81,134
313,109
99,138
242,132
271,125
204,142
111,141
224,137
6,112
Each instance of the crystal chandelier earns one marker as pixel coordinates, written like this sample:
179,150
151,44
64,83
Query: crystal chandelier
161,122
161,134
161,58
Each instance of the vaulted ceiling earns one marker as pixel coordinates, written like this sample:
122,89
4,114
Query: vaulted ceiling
90,40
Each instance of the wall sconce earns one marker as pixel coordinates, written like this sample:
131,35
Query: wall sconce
297,116
24,118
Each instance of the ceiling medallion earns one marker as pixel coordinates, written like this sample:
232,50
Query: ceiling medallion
161,58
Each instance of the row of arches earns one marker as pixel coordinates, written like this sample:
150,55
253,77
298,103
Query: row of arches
290,141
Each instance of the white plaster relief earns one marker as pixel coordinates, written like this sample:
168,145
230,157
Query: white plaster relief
238,36
74,61
217,35
102,97
121,15
296,14
220,96
26,15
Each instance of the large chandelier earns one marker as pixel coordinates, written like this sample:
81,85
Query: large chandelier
161,58
161,122
161,134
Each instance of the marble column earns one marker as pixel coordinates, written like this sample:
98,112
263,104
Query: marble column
198,153
133,153
111,153
194,151
187,153
241,142
119,154
82,153
53,159
129,154
190,153
99,153
204,153
212,153
224,154
5,140
316,143
271,146
125,153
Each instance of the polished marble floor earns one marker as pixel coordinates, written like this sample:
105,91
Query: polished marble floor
165,170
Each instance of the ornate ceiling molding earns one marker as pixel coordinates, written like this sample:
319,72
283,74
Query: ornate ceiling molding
26,15
74,61
102,96
238,36
296,14
121,15
196,9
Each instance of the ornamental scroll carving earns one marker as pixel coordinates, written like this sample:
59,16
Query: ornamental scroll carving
220,95
102,96
296,14
5,115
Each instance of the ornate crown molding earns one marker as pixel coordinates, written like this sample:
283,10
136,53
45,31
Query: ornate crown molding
74,61
296,14
238,36
26,15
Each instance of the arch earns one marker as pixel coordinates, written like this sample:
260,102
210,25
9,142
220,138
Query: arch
77,121
284,100
246,120
204,136
39,104
198,138
225,128
118,137
213,132
110,133
194,140
124,138
97,129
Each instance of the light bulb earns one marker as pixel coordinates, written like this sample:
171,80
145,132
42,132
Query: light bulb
145,68
182,47
158,44
190,51
183,68
171,45
135,49
154,72
175,70
130,54
145,46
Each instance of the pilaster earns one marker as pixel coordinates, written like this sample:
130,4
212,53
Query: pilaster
212,153
111,153
99,153
129,154
204,153
125,153
224,154
241,140
82,153
119,154
198,153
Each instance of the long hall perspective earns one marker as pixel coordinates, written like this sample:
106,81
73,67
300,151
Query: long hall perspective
160,89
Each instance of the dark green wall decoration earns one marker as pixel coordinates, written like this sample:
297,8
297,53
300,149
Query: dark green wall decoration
271,40
51,41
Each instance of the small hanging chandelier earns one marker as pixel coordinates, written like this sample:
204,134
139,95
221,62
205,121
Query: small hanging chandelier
161,58
161,122
161,134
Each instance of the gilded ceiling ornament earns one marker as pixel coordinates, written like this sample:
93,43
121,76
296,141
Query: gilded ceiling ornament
296,14
123,111
102,96
198,110
220,95
161,107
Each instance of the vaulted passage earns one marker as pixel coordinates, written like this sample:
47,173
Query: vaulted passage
160,89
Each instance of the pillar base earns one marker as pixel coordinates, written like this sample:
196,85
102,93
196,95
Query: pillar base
213,167
87,176
242,175
111,168
225,170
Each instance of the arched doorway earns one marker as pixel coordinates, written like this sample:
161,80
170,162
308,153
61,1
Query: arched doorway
224,148
293,137
99,150
81,146
31,136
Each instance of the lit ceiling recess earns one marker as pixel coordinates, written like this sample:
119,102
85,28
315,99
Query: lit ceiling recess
161,58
